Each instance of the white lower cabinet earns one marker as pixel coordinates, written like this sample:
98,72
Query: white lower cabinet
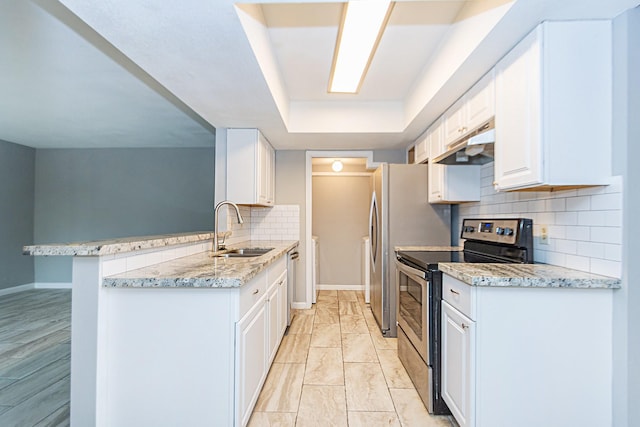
458,337
251,335
258,335
527,356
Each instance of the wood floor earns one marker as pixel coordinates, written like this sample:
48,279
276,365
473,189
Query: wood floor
35,338
333,367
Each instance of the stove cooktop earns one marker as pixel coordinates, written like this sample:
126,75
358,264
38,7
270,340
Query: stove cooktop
429,259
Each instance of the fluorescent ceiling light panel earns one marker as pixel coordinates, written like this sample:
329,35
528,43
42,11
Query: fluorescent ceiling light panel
362,26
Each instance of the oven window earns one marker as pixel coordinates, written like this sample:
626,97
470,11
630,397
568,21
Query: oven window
411,303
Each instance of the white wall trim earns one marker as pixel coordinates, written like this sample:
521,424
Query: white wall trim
308,206
52,285
19,288
340,287
300,305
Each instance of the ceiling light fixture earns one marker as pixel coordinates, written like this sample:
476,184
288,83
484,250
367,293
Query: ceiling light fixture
336,166
363,22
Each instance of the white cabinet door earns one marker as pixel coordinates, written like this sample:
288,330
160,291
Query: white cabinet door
250,168
481,102
273,326
283,300
454,122
251,365
458,373
518,154
422,148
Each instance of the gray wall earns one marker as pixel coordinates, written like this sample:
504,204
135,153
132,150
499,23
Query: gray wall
89,194
17,165
626,136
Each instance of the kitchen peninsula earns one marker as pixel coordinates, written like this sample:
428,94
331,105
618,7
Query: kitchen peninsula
166,332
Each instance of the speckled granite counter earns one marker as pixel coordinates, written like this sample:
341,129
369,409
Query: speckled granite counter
203,270
115,246
428,248
526,275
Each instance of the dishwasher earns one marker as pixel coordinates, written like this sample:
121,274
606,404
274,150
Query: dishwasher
292,261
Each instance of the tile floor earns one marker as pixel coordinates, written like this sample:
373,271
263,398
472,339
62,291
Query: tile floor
334,368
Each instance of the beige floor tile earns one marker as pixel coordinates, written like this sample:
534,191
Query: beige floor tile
358,348
366,388
411,410
347,296
273,419
293,349
373,419
327,315
304,312
281,391
301,324
326,335
325,292
353,324
324,366
394,372
360,295
379,341
322,406
349,307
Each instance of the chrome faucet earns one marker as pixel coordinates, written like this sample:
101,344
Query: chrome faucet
215,221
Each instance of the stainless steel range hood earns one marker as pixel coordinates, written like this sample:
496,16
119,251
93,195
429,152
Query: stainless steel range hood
474,149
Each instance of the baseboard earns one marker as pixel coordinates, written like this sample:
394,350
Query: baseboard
52,285
300,305
19,288
340,287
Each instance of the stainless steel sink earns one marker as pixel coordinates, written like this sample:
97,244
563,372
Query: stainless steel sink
244,253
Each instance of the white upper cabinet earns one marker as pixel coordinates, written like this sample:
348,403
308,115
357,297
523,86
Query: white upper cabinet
476,107
553,108
421,152
450,184
250,168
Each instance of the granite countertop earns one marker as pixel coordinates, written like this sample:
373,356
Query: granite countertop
429,248
114,246
203,270
526,275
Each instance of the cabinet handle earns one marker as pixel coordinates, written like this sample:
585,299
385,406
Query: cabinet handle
454,292
465,326
256,291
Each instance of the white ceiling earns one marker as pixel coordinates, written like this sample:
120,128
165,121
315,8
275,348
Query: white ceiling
158,73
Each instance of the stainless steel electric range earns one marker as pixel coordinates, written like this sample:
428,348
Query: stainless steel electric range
419,290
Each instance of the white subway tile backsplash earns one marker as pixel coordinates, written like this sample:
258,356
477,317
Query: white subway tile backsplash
606,202
591,249
606,235
606,267
567,218
574,232
578,262
584,225
592,218
578,203
613,252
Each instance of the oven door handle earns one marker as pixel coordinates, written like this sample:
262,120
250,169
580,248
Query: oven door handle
410,270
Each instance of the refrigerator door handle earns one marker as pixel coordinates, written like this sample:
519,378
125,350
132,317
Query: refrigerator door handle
373,230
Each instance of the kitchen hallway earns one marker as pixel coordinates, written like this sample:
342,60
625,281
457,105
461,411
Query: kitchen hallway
334,368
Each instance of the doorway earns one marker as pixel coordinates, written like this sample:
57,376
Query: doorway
338,205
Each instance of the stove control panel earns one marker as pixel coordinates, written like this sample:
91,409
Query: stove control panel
493,230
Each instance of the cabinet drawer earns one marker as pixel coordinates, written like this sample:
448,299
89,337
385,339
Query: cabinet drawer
459,295
252,292
276,269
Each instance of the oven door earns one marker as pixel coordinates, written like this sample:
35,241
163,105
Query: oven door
413,305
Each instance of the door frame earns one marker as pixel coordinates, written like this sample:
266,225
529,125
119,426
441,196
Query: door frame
310,155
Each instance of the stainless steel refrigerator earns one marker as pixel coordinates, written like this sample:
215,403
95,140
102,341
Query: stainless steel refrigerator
400,215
